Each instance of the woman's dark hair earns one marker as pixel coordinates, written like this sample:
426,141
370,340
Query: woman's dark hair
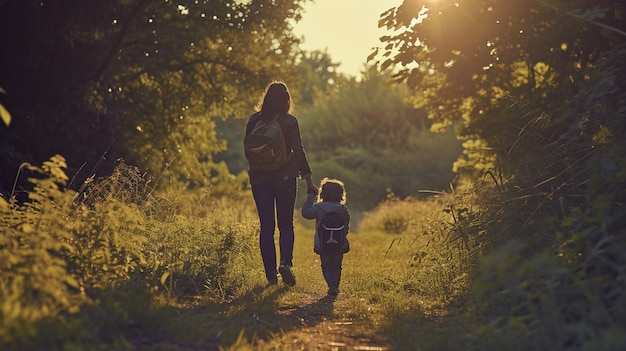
333,190
276,100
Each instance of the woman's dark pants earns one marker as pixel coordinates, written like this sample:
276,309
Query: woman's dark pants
279,194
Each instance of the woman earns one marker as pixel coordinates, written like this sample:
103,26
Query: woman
276,189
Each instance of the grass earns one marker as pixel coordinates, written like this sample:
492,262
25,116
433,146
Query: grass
184,272
379,294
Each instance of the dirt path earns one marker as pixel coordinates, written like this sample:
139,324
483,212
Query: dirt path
305,318
323,323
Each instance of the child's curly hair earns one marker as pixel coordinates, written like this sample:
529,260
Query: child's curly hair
333,190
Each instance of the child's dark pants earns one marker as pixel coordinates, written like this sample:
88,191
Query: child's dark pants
331,268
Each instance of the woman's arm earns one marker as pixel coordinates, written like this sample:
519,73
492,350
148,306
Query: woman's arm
308,211
294,142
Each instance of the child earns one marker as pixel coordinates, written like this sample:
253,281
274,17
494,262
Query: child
332,198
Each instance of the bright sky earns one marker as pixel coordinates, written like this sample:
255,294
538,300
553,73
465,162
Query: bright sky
348,29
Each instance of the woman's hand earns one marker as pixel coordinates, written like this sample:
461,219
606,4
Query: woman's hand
310,186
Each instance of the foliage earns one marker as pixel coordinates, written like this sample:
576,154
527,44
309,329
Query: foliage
108,230
140,80
196,251
371,129
496,54
91,265
392,216
541,106
35,281
556,280
434,265
5,116
203,256
317,77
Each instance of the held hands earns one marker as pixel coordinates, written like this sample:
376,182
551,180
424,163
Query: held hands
311,188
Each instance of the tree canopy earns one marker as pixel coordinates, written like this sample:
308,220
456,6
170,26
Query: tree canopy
371,136
539,88
474,60
140,79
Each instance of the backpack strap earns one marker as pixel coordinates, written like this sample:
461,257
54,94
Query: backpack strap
270,119
258,117
339,213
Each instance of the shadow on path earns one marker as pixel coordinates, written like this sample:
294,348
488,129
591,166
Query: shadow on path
311,314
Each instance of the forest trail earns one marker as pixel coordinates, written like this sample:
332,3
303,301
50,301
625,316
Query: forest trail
318,321
325,325
374,310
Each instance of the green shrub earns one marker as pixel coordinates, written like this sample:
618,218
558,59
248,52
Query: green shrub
36,281
554,278
196,256
90,265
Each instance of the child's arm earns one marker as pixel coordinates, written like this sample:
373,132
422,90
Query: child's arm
308,211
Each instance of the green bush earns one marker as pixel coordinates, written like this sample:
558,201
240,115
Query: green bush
91,265
36,281
550,231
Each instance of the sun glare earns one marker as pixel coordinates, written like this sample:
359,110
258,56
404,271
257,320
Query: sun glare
347,30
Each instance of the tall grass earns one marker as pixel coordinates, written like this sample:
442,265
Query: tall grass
543,235
98,266
529,257
435,266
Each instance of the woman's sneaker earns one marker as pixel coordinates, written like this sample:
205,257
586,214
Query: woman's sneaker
272,281
333,291
288,278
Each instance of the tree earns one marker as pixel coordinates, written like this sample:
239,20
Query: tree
316,75
543,97
371,136
475,59
319,77
142,80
